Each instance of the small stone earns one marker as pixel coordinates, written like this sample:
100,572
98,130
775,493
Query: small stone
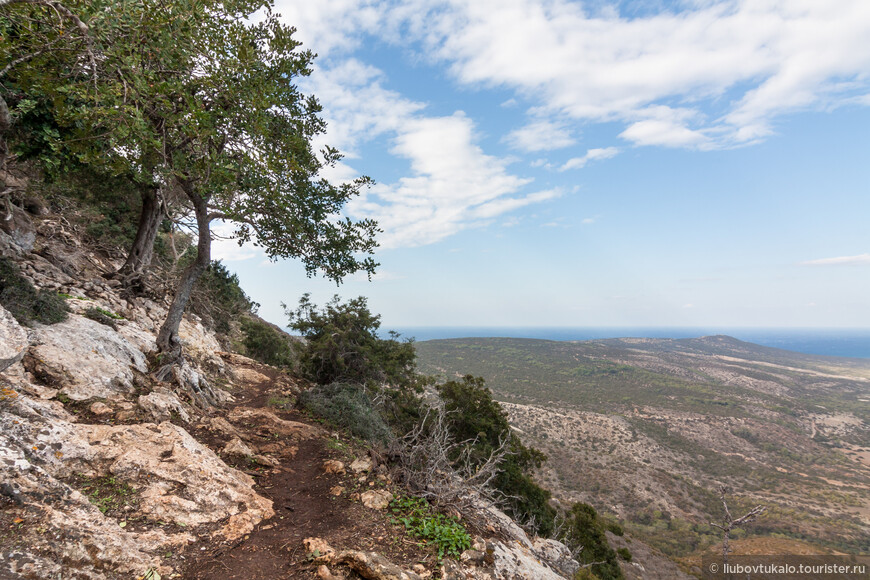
237,447
333,466
99,408
472,557
361,465
319,548
325,574
377,499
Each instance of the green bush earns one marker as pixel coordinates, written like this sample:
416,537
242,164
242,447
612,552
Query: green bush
23,301
475,415
342,345
624,553
266,344
349,407
445,532
585,528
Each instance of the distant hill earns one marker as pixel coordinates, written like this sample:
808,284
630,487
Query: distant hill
646,429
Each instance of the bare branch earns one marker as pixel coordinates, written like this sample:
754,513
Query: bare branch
429,466
730,523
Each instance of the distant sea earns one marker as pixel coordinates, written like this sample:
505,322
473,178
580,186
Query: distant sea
853,343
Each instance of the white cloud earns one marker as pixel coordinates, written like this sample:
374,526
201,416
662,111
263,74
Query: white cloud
591,155
356,106
665,133
839,261
540,136
453,185
745,62
333,26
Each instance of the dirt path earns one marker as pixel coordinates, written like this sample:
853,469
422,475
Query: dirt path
303,499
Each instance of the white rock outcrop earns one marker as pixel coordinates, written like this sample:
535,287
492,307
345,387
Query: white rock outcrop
86,358
13,340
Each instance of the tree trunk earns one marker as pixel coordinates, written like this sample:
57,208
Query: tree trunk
142,250
167,339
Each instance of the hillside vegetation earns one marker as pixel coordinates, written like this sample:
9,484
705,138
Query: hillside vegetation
646,429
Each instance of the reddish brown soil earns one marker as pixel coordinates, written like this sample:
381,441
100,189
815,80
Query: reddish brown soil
304,507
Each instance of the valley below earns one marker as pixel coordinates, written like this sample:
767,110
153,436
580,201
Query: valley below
647,430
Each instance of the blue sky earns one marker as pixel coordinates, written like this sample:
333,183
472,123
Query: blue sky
565,163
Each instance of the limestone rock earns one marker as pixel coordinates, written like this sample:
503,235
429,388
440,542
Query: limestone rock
87,358
513,557
76,539
161,404
361,465
13,340
376,499
319,549
19,227
199,344
324,573
100,408
516,561
222,426
333,466
373,566
556,554
271,424
179,480
237,447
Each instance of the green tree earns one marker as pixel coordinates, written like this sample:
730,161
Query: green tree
196,100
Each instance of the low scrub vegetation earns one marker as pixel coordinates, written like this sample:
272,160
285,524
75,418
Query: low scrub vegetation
266,344
349,407
24,302
445,532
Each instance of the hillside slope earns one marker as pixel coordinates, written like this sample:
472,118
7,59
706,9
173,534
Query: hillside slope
107,473
647,429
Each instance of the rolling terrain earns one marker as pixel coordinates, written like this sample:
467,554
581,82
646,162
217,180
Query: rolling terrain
647,429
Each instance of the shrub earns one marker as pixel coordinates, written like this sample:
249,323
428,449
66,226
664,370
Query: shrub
583,527
23,301
624,553
349,407
342,345
266,344
445,532
475,416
